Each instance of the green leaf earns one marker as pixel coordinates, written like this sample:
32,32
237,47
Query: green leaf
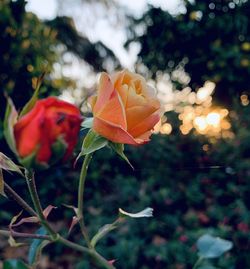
11,239
14,264
119,149
10,120
212,247
92,142
102,232
146,213
36,247
34,98
7,164
2,183
87,123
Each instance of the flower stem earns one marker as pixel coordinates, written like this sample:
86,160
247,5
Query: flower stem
97,259
24,235
82,179
19,199
36,202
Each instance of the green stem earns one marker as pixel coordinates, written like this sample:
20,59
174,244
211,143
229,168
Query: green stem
97,258
19,199
198,262
24,235
54,236
36,202
82,180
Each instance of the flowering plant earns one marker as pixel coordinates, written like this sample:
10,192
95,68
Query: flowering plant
125,111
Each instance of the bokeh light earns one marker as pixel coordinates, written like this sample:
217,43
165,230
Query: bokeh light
196,111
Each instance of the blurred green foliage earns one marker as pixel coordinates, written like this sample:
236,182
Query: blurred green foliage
26,51
211,41
194,186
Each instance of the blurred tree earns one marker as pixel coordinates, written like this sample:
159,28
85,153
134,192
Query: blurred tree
210,40
95,54
25,50
29,47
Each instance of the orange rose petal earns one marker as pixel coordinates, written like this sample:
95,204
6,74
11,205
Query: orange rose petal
113,132
118,79
135,99
144,138
123,92
105,89
137,114
145,126
113,111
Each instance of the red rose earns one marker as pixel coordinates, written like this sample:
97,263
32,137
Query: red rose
50,121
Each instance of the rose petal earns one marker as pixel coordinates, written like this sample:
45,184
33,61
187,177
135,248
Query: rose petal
137,114
27,132
113,132
145,126
105,89
113,111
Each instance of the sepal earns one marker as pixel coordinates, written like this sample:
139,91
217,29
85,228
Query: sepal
87,123
119,149
10,120
31,103
91,143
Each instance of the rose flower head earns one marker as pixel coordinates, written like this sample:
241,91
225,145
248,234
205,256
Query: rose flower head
125,108
49,131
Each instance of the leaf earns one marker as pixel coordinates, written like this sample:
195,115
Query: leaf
36,247
13,242
212,247
87,123
74,221
14,219
146,213
102,232
119,149
14,264
33,99
10,120
92,142
7,164
46,213
2,183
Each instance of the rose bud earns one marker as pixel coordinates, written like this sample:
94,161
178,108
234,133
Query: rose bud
125,109
48,132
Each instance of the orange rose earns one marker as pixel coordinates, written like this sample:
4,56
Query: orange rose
49,121
125,109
